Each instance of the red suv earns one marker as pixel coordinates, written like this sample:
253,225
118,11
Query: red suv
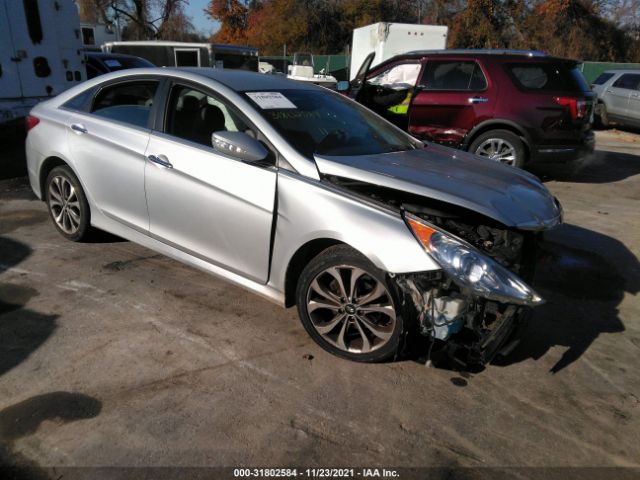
512,106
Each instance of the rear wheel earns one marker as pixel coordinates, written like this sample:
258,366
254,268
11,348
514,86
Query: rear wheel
349,307
602,117
68,206
502,146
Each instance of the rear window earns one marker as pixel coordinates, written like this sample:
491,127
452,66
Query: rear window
602,78
629,81
128,102
548,77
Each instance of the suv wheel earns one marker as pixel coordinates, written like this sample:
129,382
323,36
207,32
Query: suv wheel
349,307
601,115
500,145
68,206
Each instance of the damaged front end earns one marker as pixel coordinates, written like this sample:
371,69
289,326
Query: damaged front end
476,304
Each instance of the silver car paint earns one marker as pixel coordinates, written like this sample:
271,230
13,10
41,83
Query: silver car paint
221,209
620,102
508,195
307,209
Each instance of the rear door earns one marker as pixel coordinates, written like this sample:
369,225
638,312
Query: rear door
209,205
619,94
451,97
108,144
633,111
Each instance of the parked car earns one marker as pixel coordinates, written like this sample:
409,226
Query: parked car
303,196
511,106
98,63
618,94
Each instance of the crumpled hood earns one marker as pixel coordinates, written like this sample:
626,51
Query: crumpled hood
509,195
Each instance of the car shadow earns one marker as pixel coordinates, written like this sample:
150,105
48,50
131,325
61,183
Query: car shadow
603,166
22,330
24,418
583,290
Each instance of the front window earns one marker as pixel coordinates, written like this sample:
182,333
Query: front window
193,115
401,76
325,123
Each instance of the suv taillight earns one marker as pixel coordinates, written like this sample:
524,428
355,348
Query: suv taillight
31,122
577,107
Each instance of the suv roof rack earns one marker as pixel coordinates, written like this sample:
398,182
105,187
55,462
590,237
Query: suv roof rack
482,51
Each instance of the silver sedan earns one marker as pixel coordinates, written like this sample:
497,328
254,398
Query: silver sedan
303,196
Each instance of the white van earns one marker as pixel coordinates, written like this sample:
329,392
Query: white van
40,53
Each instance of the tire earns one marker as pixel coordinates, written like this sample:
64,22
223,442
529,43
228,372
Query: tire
508,147
339,323
602,118
67,204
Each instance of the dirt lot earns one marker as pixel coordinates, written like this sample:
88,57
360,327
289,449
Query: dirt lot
112,355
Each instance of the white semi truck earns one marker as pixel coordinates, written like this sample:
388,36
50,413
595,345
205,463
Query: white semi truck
40,53
390,39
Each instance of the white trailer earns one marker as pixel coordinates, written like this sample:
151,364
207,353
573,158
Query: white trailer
390,39
40,53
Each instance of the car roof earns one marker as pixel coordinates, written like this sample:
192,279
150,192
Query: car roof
111,55
484,52
242,80
622,70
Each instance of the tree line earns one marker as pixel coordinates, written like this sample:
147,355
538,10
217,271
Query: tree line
595,30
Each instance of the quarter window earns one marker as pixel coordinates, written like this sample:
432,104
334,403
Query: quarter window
602,78
194,116
548,76
129,102
453,75
629,81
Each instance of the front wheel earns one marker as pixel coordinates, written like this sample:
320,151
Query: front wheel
502,146
350,307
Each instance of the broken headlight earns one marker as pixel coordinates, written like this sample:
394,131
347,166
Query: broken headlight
471,269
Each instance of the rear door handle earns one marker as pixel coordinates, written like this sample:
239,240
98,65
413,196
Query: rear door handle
79,128
478,99
160,160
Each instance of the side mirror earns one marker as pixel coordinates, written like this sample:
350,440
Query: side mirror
342,86
239,145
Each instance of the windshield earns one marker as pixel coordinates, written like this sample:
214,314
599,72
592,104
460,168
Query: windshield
326,123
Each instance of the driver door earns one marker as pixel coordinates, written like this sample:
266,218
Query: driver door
209,205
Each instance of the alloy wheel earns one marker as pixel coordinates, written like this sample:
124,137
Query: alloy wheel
64,204
351,309
497,149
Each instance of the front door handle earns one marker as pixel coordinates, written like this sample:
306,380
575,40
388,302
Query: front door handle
478,100
78,128
160,160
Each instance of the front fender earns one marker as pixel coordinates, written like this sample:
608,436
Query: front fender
309,210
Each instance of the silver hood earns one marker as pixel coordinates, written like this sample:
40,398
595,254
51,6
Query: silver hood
509,195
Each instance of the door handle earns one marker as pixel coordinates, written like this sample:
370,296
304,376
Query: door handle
160,160
635,95
609,91
478,100
79,128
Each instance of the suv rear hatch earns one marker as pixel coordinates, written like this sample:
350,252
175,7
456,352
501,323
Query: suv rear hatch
561,90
